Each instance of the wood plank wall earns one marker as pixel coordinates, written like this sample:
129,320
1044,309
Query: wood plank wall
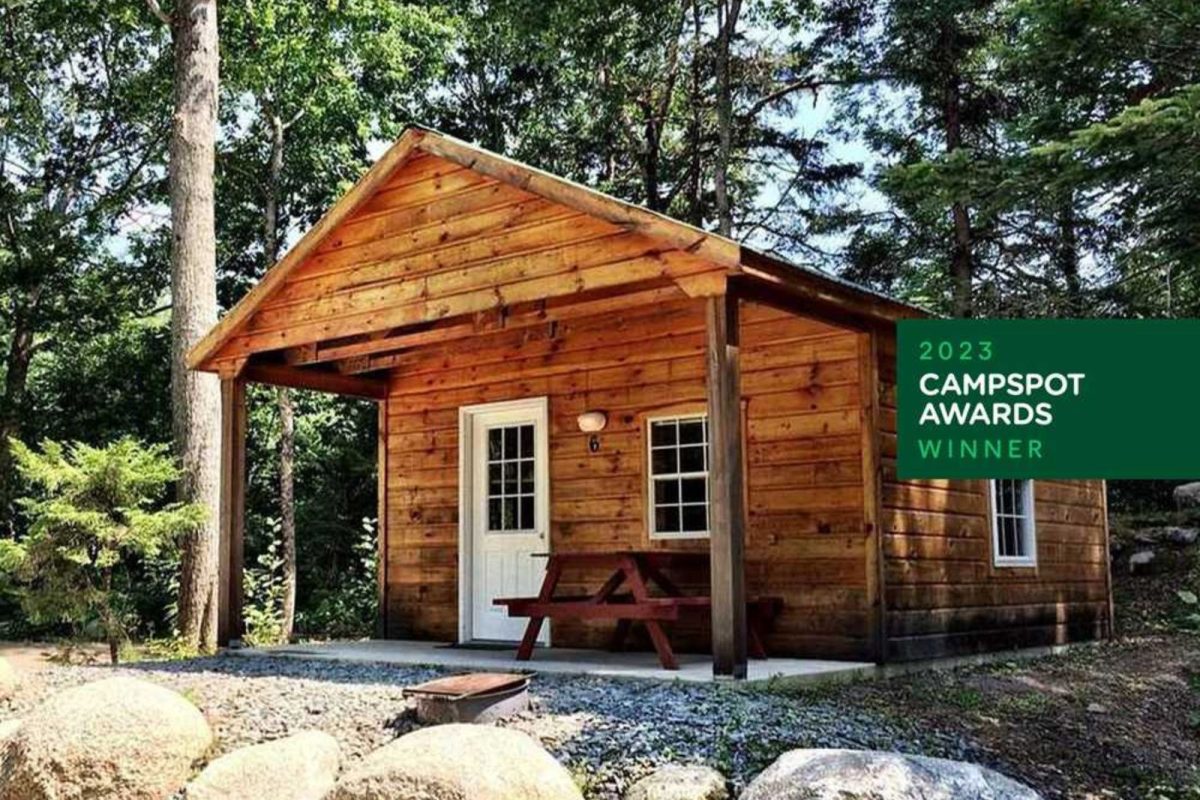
439,240
944,596
805,539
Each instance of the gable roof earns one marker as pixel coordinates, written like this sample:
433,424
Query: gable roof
719,250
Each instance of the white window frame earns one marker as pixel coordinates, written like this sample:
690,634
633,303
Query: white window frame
1028,528
651,521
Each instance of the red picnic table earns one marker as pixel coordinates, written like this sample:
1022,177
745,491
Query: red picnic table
637,570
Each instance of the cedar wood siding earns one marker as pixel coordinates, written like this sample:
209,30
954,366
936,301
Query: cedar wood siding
438,241
806,538
943,595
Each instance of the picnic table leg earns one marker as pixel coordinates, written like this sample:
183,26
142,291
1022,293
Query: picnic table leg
525,651
633,569
655,575
611,585
549,584
662,645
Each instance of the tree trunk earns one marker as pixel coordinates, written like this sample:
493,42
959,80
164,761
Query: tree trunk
695,140
650,156
287,418
962,271
271,204
196,396
727,13
1067,255
287,509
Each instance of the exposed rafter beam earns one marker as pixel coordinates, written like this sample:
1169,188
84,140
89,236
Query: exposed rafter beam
317,380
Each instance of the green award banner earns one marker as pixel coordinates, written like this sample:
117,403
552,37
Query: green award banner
1061,398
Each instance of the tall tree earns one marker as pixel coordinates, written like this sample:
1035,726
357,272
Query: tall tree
196,397
1103,126
934,116
728,12
625,97
308,87
80,99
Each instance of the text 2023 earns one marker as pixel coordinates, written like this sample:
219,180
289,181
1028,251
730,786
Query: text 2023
955,351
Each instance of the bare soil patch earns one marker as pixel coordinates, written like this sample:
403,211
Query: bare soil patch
1117,719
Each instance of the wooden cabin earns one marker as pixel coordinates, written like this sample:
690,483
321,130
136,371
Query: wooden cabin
500,315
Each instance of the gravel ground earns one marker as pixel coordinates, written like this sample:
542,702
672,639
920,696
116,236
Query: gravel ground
607,732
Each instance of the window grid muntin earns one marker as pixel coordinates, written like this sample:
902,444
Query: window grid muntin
1014,533
665,435
515,455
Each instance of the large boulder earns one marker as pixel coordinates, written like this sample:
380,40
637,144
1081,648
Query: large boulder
1188,495
459,762
8,679
680,782
116,738
301,767
855,774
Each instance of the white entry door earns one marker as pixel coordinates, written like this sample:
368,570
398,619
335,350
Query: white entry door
506,519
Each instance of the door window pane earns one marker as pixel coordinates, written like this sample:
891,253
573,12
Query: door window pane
512,487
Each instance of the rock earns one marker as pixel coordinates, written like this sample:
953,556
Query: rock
459,762
678,782
1181,537
301,767
1140,562
8,679
8,728
1174,535
1188,495
1097,708
116,738
853,774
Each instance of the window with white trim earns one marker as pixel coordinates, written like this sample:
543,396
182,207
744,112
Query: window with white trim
1014,535
678,470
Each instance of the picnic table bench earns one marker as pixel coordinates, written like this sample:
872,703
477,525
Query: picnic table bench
637,570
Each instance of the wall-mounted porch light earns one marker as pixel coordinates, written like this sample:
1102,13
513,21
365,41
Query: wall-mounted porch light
592,422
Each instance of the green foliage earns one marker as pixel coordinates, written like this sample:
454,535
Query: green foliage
335,77
344,609
1188,610
1078,129
262,592
85,90
97,510
1077,161
349,608
169,648
335,489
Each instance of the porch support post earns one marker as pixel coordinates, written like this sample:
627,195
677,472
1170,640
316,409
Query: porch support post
231,559
381,525
872,471
727,512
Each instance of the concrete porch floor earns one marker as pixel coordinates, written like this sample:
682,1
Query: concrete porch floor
692,667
